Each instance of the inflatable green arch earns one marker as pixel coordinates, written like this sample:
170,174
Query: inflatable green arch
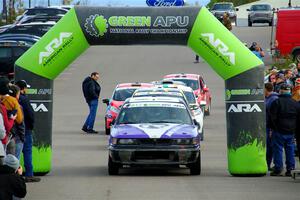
192,26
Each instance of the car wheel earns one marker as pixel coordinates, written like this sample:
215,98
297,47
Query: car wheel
207,111
107,130
249,23
202,134
195,168
296,55
113,168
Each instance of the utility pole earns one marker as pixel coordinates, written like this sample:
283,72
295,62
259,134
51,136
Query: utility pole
48,3
29,3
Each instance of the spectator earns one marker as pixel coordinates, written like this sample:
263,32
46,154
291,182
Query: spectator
29,125
258,52
91,91
226,21
253,45
279,81
12,183
2,136
18,129
288,76
296,90
270,96
8,120
284,116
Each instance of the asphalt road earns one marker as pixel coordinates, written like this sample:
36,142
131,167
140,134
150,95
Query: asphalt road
79,168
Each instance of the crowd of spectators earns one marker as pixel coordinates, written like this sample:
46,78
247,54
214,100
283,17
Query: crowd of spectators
282,92
16,124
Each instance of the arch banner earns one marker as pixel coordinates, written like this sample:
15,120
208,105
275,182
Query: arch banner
195,27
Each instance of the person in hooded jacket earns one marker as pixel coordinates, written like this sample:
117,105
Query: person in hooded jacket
91,91
270,96
12,184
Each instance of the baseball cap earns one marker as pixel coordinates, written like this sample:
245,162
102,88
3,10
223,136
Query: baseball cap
22,84
297,81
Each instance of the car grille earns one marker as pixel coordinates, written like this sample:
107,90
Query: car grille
261,15
154,155
155,142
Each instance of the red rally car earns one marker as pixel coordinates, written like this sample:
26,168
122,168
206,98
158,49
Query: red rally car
120,94
196,82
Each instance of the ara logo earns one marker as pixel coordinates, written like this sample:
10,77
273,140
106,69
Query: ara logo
54,44
244,108
39,107
220,46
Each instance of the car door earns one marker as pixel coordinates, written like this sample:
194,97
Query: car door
6,60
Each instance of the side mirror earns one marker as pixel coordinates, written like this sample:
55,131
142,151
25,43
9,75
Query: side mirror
113,122
248,9
196,123
236,9
106,101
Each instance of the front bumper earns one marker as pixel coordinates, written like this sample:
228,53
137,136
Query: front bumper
154,156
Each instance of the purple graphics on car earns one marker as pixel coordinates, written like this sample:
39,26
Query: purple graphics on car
155,131
152,131
159,3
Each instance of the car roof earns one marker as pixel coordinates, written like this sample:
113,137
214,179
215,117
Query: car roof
182,76
133,85
155,99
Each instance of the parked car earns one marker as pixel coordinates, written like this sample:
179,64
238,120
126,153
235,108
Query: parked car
196,82
41,11
218,10
154,132
120,94
10,51
260,13
288,32
27,38
37,29
39,18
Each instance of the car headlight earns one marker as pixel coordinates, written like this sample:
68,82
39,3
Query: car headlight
114,109
184,141
127,141
196,141
114,141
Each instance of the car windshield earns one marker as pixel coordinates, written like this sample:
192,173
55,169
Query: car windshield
222,7
190,83
261,8
123,94
190,97
46,11
38,30
154,112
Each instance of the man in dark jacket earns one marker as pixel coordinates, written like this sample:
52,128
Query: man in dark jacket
11,181
29,125
91,91
284,117
270,97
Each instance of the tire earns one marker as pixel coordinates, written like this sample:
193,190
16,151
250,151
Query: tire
195,168
107,130
207,112
296,55
113,168
249,23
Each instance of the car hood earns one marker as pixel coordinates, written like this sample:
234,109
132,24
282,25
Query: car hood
155,130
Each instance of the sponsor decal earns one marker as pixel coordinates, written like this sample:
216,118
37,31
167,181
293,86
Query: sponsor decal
219,45
169,105
39,107
35,91
245,107
159,3
55,47
242,92
97,25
